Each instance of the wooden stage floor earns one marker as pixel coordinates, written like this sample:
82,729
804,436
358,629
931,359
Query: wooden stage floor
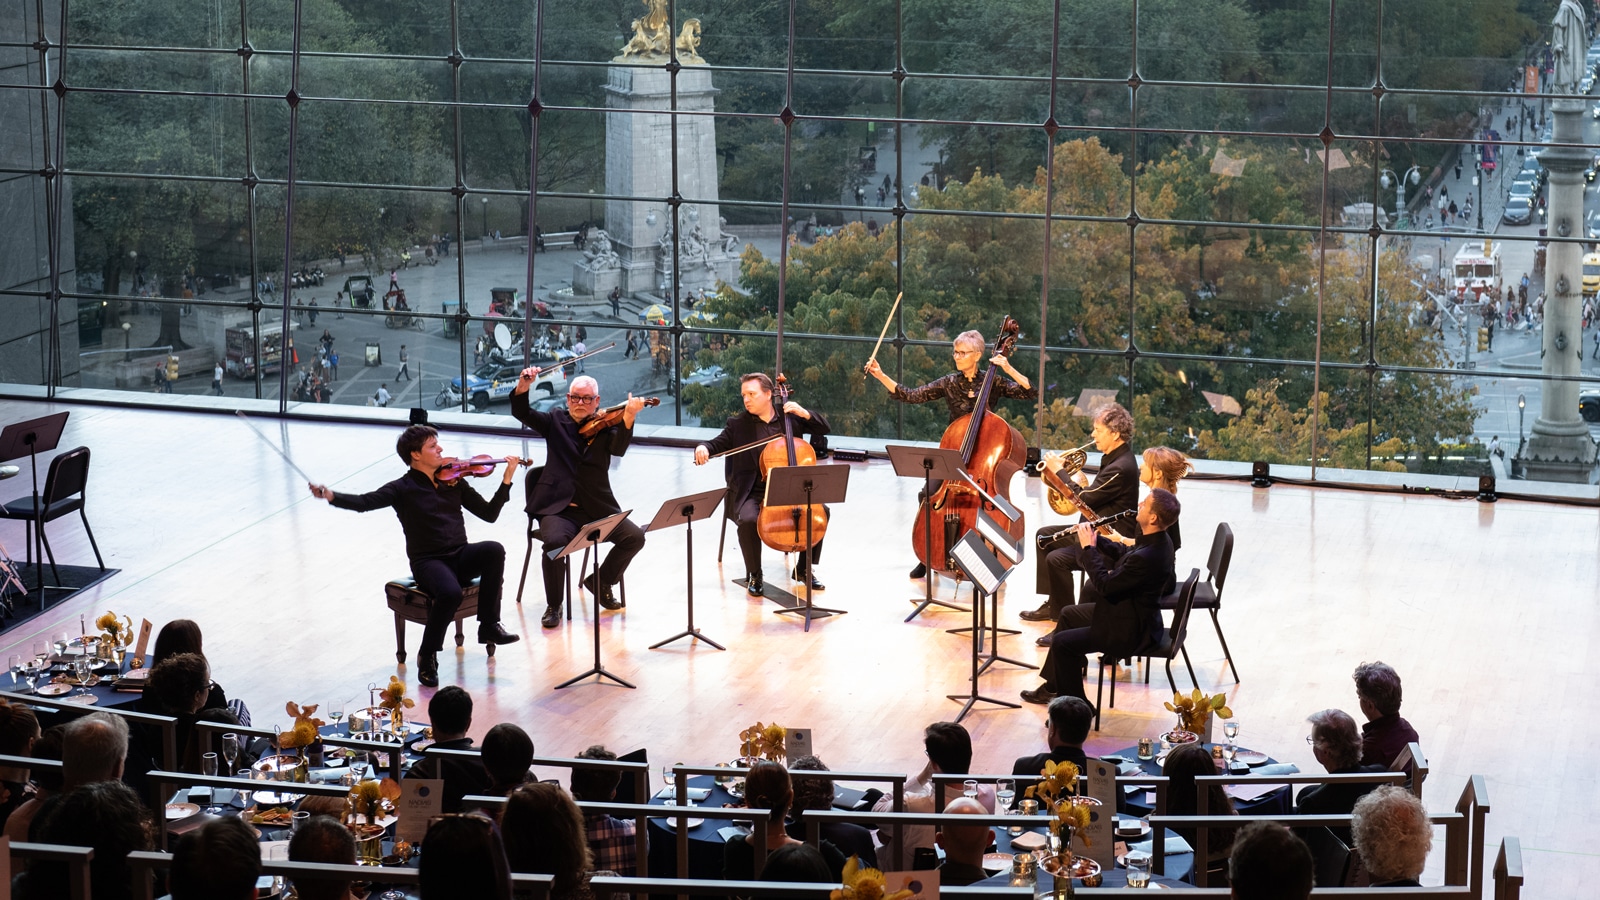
1466,600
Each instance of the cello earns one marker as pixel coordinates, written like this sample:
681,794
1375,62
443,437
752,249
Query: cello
783,528
992,451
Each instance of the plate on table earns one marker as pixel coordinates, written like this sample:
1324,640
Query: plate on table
54,689
422,745
1136,829
1250,757
996,862
672,824
177,811
82,699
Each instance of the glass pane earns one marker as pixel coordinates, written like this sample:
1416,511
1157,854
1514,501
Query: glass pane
152,25
339,142
155,135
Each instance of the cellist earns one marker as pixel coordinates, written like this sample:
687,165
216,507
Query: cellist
959,389
746,488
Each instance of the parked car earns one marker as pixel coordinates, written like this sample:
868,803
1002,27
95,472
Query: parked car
1589,405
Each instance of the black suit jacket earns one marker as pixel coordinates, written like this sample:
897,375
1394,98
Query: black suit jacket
1130,582
743,470
461,776
1031,766
576,469
1115,488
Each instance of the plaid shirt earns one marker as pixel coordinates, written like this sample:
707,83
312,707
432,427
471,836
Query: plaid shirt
612,841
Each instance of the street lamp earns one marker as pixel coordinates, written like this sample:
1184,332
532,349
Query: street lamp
1522,405
484,232
127,346
1388,179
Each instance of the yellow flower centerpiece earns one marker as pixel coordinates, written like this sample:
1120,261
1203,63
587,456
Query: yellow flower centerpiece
762,742
1195,711
365,801
115,634
1057,793
862,883
303,733
394,699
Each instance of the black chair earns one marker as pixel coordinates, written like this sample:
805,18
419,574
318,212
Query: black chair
536,534
1174,636
63,493
1208,595
1334,863
1172,642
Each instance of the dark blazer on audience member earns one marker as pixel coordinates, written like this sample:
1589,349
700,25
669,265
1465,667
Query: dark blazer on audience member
1033,765
954,874
850,838
462,776
1336,799
1383,739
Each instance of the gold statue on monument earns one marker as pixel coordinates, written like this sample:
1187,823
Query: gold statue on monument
652,37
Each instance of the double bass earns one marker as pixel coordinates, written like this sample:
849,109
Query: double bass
992,451
783,528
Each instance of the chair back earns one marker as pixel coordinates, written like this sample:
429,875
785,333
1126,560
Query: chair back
1179,629
1221,555
530,481
1330,856
69,474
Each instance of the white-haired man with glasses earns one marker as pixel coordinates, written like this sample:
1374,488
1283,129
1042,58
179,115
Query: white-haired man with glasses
575,487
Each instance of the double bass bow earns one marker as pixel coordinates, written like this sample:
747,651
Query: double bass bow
783,528
992,451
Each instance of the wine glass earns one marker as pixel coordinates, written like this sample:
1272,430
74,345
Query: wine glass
1005,793
81,666
30,674
61,640
14,663
208,767
230,748
336,710
41,652
1231,729
969,788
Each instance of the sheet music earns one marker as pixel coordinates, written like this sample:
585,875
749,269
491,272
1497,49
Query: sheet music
975,567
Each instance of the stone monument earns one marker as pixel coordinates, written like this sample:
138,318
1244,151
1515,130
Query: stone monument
638,254
1559,447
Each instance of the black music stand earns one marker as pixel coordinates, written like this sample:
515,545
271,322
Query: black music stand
807,486
987,572
589,537
931,464
1010,552
29,439
688,510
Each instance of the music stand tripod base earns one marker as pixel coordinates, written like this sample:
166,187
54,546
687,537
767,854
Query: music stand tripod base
929,464
808,486
591,536
688,510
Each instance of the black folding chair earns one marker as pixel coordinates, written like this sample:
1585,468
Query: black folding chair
63,492
1208,594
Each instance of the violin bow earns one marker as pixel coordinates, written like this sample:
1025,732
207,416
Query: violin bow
268,441
885,331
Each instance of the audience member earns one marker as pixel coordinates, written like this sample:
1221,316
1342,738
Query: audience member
1393,835
220,860
93,748
612,841
183,636
797,862
44,784
544,836
767,787
1066,729
507,756
178,687
1386,733
450,712
816,792
321,839
949,750
1185,763
464,859
104,815
1269,863
1337,746
19,729
963,845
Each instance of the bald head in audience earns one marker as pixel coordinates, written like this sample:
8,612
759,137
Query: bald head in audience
93,749
964,844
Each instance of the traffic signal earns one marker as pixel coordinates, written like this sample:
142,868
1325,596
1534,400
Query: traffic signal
1483,339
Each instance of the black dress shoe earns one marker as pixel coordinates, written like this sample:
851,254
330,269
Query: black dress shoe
551,617
496,634
1043,640
1045,613
1040,695
607,599
753,585
800,576
921,571
428,669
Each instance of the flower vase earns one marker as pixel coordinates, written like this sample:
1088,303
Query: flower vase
397,722
369,845
301,773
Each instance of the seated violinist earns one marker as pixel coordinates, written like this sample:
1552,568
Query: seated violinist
575,487
746,482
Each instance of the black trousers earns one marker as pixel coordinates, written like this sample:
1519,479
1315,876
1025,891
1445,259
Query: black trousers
1062,567
442,577
1064,664
745,517
626,540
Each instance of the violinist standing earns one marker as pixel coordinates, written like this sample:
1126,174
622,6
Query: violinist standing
442,560
575,487
746,487
959,389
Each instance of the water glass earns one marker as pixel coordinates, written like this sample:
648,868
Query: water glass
14,663
1138,870
336,710
208,764
230,748
30,674
1230,728
969,788
1005,792
298,819
81,667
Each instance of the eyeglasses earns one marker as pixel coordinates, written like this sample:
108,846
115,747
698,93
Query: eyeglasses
964,353
1310,741
583,398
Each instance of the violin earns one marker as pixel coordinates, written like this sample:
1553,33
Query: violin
783,528
608,417
453,470
992,451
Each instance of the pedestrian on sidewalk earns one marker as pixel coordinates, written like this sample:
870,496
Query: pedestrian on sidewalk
633,346
616,302
382,398
216,379
333,365
338,304
311,312
405,365
580,348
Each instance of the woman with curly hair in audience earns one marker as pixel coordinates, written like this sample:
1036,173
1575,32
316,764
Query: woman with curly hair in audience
183,636
544,835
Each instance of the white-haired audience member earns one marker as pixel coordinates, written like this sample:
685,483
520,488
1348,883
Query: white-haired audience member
1393,836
